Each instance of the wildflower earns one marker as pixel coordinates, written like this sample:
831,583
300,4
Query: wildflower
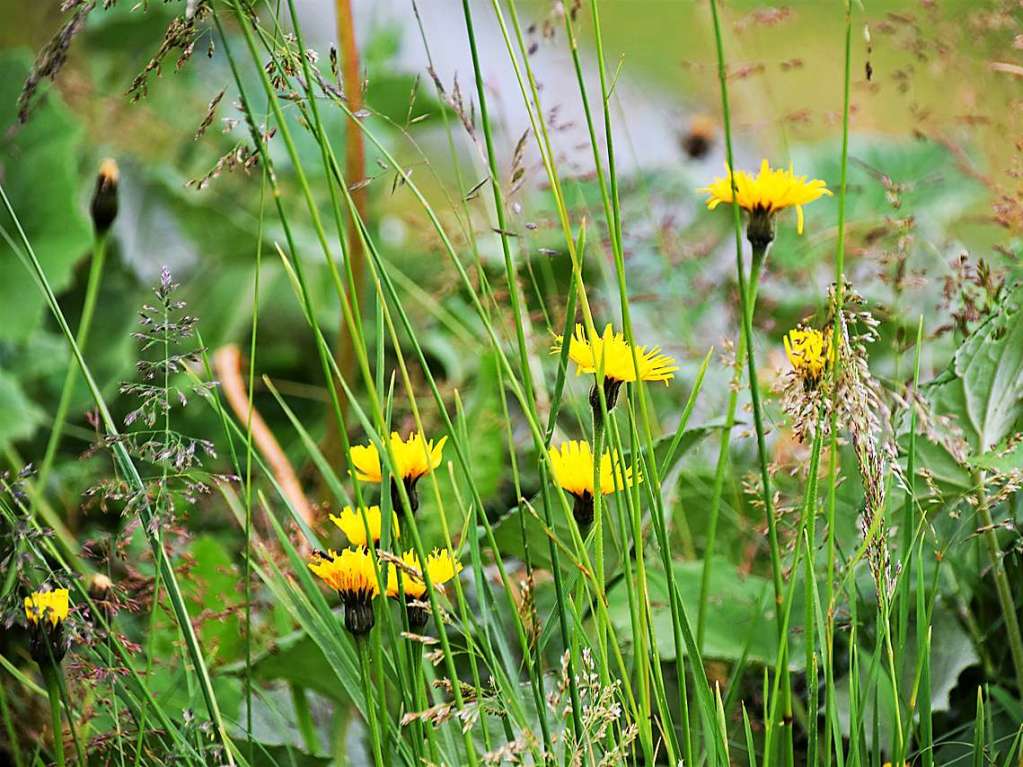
810,352
104,198
46,612
352,575
619,366
354,523
761,196
413,458
441,566
573,471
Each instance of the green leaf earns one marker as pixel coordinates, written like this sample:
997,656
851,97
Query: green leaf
986,393
739,619
213,586
38,163
295,658
19,416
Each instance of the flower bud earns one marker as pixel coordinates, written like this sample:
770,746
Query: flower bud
104,197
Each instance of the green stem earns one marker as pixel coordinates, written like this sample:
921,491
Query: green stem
1002,586
50,673
722,466
361,643
99,252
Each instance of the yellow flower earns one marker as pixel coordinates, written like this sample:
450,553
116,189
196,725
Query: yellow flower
441,566
573,471
619,366
413,458
352,575
353,523
617,356
810,352
770,191
43,606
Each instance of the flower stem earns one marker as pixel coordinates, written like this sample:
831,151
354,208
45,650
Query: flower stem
50,674
367,689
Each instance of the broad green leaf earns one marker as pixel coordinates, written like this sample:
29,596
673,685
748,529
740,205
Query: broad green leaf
295,658
39,167
987,393
740,620
19,416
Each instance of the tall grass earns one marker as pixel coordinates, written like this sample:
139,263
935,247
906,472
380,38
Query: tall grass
511,669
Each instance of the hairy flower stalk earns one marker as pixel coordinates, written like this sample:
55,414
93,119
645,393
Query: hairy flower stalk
414,458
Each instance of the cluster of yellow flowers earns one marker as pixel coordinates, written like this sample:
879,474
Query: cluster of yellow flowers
353,573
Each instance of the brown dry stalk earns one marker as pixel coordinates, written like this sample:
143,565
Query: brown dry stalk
227,363
355,173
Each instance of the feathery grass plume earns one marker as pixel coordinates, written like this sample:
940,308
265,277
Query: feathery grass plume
441,567
103,207
354,523
46,612
352,575
414,457
52,57
167,333
615,353
762,196
572,464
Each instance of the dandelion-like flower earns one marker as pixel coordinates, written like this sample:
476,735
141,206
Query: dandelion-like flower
811,354
441,567
46,612
762,196
413,457
352,575
619,366
573,471
354,523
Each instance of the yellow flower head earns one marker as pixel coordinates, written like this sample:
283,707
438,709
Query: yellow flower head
573,469
810,352
42,606
414,457
350,573
617,356
770,191
354,523
441,566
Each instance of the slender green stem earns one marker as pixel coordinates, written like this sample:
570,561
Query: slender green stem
362,643
50,675
834,734
99,251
